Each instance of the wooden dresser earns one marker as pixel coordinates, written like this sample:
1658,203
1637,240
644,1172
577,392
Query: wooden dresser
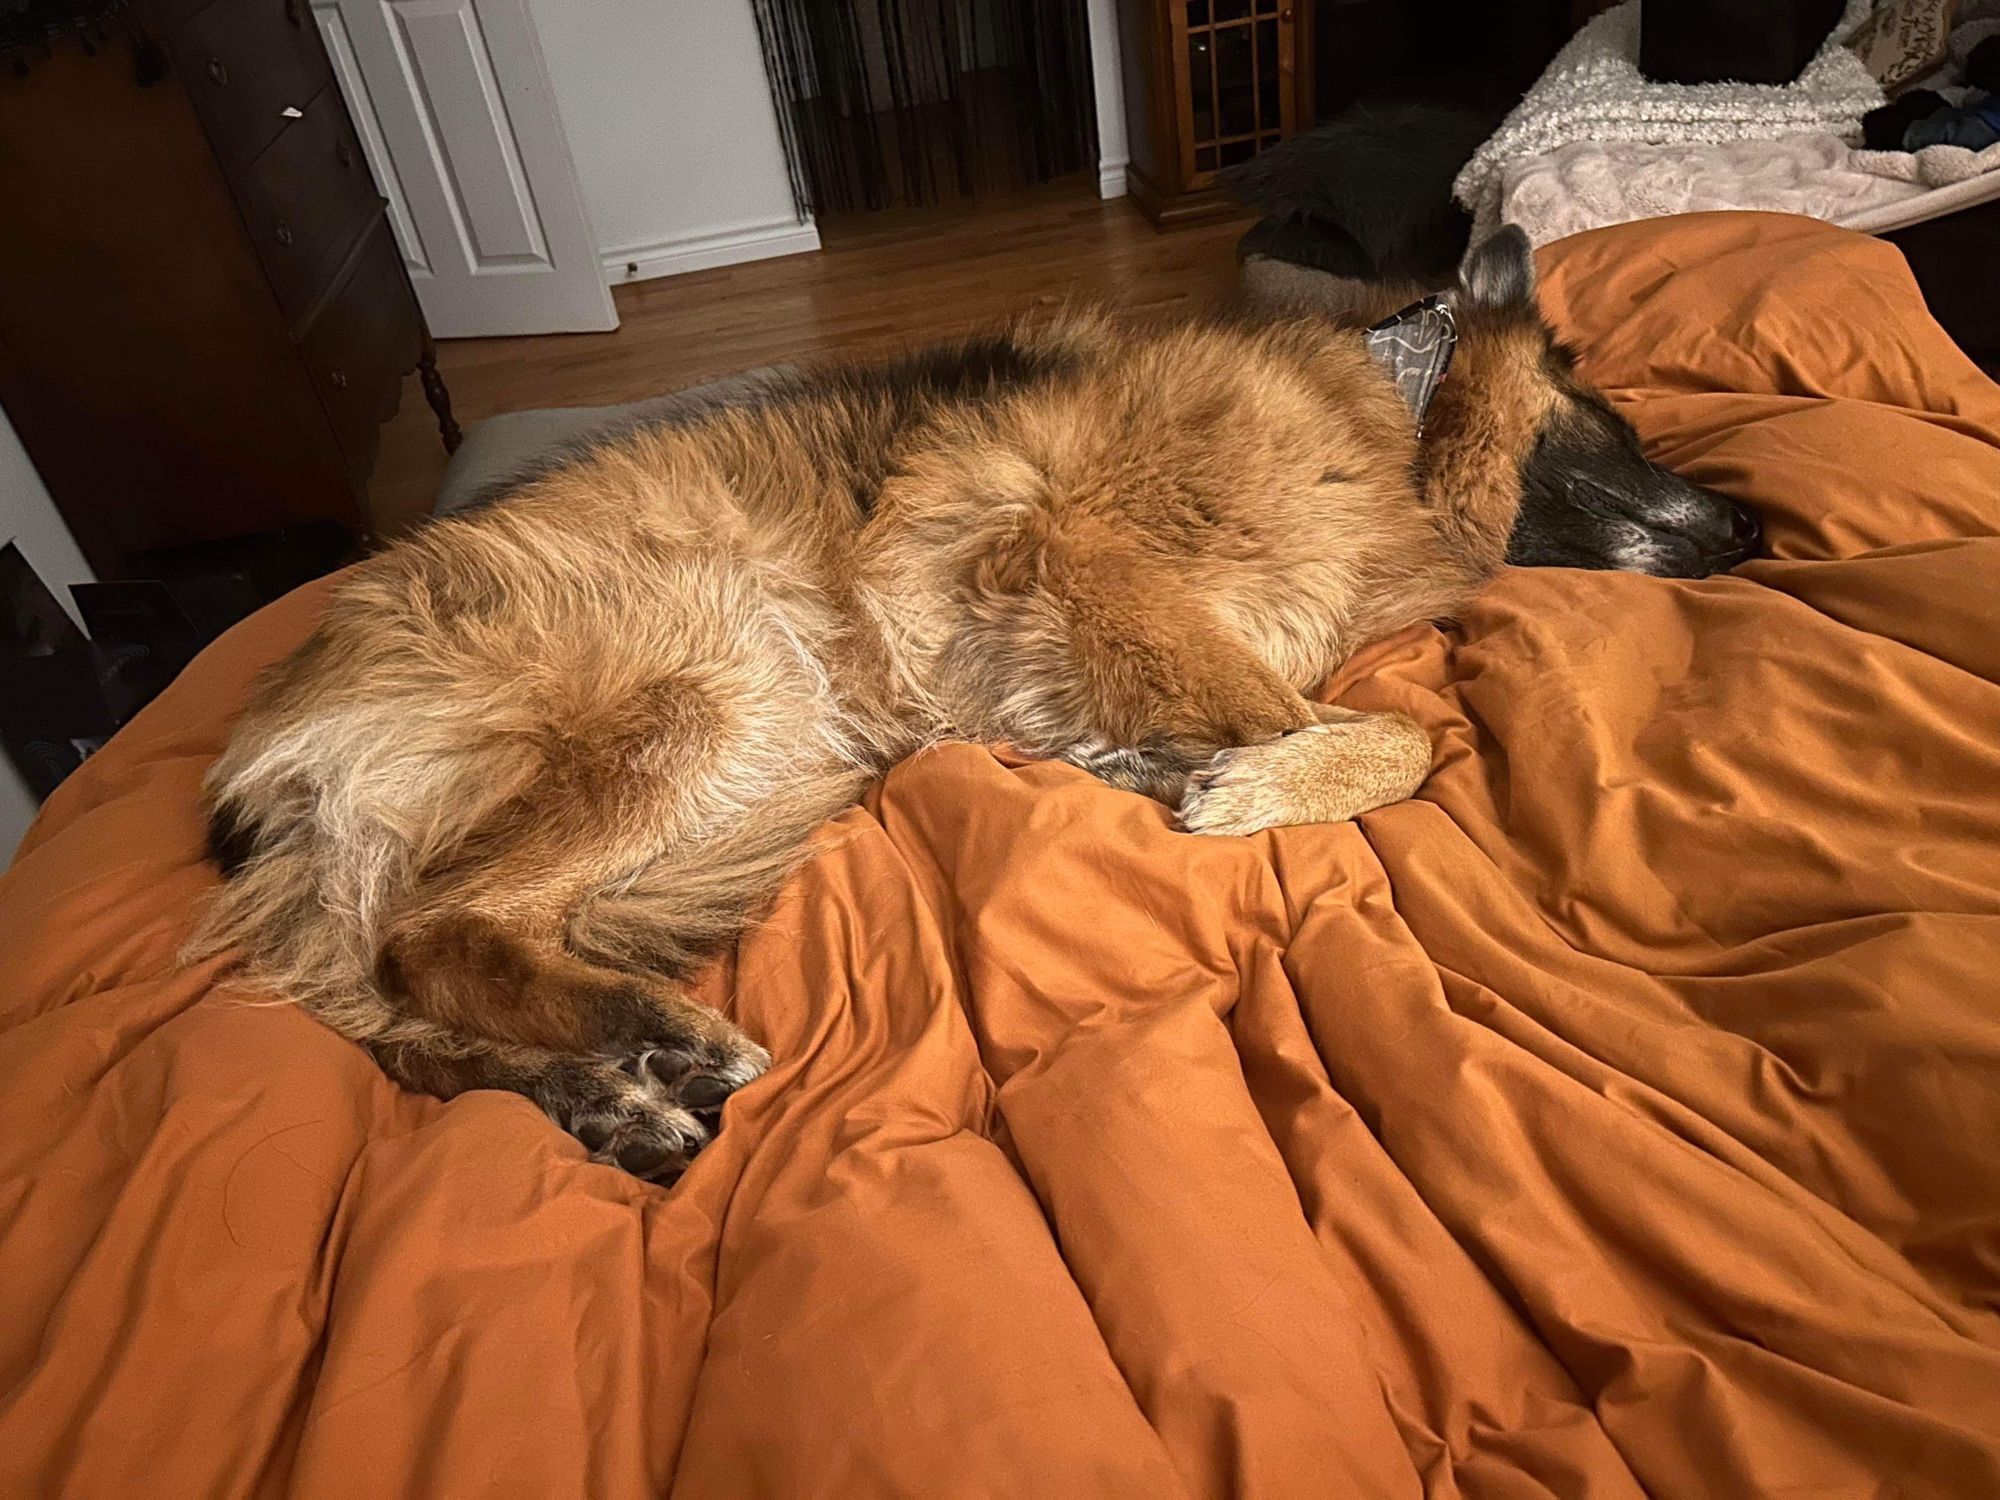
204,316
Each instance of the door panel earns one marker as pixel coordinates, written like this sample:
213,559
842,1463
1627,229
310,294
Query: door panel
454,108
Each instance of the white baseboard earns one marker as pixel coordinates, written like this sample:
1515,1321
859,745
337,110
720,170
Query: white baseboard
699,252
1111,179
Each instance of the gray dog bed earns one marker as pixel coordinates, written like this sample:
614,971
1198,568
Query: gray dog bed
500,449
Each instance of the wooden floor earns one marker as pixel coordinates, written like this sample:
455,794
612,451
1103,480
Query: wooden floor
913,279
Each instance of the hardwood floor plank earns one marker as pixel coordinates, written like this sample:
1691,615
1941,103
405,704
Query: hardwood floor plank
873,288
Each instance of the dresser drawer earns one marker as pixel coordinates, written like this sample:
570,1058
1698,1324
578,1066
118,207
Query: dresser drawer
244,63
173,10
361,341
306,198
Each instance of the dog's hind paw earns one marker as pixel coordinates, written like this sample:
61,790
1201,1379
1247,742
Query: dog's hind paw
650,1112
699,1075
624,1121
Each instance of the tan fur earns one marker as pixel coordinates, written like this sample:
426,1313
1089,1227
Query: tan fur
538,762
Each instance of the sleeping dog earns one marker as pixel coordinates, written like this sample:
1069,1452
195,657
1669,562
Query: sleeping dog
538,762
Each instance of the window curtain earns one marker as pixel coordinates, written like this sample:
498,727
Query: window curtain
884,102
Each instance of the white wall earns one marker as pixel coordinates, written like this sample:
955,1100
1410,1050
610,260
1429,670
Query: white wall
673,130
1113,148
29,517
670,120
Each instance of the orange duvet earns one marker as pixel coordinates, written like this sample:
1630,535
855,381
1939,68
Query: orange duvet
1621,1117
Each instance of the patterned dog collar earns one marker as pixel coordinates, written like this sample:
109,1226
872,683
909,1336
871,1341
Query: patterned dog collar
1414,347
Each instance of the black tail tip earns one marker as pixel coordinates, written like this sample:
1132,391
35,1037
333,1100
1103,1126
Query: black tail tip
231,841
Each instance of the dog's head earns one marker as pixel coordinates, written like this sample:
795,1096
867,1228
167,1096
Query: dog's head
1589,497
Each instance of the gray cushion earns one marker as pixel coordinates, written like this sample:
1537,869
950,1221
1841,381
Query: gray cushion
500,449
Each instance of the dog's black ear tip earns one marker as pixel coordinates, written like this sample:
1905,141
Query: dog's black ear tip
1500,271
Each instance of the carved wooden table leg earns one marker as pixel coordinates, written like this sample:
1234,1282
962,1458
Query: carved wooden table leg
438,396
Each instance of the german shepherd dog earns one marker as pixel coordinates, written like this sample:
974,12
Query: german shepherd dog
539,761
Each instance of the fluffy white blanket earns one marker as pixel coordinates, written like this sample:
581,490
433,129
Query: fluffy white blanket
1585,185
1594,93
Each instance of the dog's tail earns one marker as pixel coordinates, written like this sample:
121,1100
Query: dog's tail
321,822
493,793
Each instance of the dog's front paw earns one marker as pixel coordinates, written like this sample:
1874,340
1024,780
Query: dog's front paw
1240,791
1326,774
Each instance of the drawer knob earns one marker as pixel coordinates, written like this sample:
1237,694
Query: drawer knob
217,73
295,12
283,235
344,154
338,379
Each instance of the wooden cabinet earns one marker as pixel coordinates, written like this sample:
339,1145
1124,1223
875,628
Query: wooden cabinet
1209,83
204,317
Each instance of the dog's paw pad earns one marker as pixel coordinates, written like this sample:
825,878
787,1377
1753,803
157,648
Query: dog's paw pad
637,1127
700,1076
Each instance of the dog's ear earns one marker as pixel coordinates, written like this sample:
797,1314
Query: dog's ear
1500,273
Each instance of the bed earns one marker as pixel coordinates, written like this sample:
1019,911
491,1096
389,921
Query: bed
1617,1118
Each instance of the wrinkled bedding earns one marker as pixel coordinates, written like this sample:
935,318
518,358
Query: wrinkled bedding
1617,1118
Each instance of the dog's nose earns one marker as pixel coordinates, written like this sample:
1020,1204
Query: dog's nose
1744,528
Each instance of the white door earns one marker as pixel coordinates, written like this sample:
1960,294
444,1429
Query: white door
453,104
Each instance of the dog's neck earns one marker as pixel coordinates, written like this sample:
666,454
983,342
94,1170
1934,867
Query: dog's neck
1481,427
1414,347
